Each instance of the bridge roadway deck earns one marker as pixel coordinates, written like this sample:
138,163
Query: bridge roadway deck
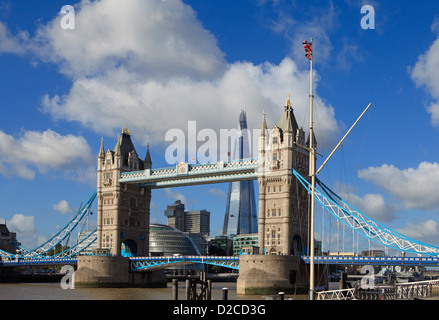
137,263
37,262
143,263
377,261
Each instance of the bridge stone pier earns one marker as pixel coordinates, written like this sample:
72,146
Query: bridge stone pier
270,274
113,272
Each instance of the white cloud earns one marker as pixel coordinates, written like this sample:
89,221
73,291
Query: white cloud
159,38
424,74
217,192
25,228
117,97
426,231
318,26
12,44
416,188
433,109
63,207
153,65
374,206
175,195
348,53
21,223
43,151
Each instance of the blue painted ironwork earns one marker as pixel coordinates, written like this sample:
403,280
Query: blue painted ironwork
41,251
376,261
184,174
38,262
364,225
137,263
79,247
232,262
149,263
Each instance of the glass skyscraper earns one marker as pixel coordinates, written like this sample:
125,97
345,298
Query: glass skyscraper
241,216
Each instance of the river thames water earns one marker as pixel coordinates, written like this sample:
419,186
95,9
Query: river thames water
53,291
28,299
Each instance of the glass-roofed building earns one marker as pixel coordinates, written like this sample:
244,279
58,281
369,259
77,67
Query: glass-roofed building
167,241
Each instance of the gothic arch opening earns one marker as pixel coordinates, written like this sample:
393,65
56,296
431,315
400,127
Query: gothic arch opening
129,248
297,247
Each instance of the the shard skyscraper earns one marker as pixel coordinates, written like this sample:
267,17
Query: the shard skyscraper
241,215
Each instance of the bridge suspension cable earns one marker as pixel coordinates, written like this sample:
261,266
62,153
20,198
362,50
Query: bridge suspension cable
42,250
364,225
78,247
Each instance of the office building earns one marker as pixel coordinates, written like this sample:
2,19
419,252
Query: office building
245,243
192,222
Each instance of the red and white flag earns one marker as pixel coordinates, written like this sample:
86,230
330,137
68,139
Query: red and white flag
308,49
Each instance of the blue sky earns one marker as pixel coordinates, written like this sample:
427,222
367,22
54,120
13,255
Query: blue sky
157,64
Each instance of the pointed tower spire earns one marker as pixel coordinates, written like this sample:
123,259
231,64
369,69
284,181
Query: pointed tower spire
288,120
262,144
102,150
289,101
125,130
117,147
264,124
289,110
147,162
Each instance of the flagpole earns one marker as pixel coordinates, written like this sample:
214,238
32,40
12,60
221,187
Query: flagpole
312,173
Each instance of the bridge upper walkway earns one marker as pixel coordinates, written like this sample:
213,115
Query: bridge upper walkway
185,174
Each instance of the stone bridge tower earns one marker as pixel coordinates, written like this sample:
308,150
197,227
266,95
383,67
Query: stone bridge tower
123,223
123,210
283,212
283,202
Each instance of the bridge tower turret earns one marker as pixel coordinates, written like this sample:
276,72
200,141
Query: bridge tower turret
123,210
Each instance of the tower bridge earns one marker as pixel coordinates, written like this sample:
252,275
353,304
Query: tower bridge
125,181
124,184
